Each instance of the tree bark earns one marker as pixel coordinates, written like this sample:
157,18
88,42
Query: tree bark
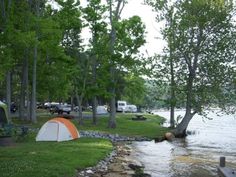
27,92
72,102
181,128
8,93
115,17
33,99
112,120
94,100
171,41
172,101
79,100
94,107
2,4
23,91
34,76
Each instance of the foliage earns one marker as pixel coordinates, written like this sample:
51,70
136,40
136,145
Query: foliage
134,90
156,95
202,38
35,37
7,130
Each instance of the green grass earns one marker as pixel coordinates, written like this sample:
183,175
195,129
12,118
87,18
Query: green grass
51,159
150,128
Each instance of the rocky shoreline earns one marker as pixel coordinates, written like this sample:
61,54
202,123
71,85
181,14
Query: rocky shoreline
118,163
112,138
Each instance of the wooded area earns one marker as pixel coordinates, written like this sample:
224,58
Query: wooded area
43,57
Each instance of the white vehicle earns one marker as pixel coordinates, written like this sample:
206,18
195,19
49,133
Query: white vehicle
123,106
131,108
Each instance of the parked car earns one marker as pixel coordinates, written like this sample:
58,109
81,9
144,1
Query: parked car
40,105
130,108
76,108
13,107
60,109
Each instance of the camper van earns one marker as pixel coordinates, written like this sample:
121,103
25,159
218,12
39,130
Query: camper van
123,106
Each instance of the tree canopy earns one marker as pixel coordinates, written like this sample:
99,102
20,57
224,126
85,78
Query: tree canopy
201,37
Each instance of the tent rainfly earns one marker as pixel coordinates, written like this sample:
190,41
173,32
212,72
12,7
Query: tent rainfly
3,113
57,129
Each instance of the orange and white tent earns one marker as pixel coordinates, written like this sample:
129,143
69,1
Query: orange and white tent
57,129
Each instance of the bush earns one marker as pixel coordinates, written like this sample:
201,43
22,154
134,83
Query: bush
7,130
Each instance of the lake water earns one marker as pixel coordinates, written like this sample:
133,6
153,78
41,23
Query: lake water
196,155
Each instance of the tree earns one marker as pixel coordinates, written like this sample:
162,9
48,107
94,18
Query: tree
54,63
166,13
94,14
5,53
69,18
114,17
204,48
126,37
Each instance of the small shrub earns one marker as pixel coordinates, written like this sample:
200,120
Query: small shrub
7,130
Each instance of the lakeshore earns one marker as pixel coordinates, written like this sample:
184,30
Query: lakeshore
97,143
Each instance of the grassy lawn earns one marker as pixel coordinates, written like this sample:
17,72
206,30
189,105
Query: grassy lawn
150,128
51,159
126,126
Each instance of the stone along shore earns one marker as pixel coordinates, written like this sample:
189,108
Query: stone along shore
119,163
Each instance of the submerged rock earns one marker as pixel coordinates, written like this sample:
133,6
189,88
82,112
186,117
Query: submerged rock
169,136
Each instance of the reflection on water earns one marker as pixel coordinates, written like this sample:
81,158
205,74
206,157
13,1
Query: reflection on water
196,155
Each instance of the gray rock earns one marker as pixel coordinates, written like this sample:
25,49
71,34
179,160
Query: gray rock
89,171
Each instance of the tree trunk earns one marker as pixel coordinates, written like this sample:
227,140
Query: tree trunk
113,19
22,110
112,120
172,116
79,103
171,41
2,4
172,99
94,100
22,94
72,102
33,99
8,93
27,92
34,76
181,128
94,107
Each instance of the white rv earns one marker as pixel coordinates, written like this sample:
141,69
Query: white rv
123,106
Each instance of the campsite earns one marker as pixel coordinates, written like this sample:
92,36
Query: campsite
103,88
54,147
